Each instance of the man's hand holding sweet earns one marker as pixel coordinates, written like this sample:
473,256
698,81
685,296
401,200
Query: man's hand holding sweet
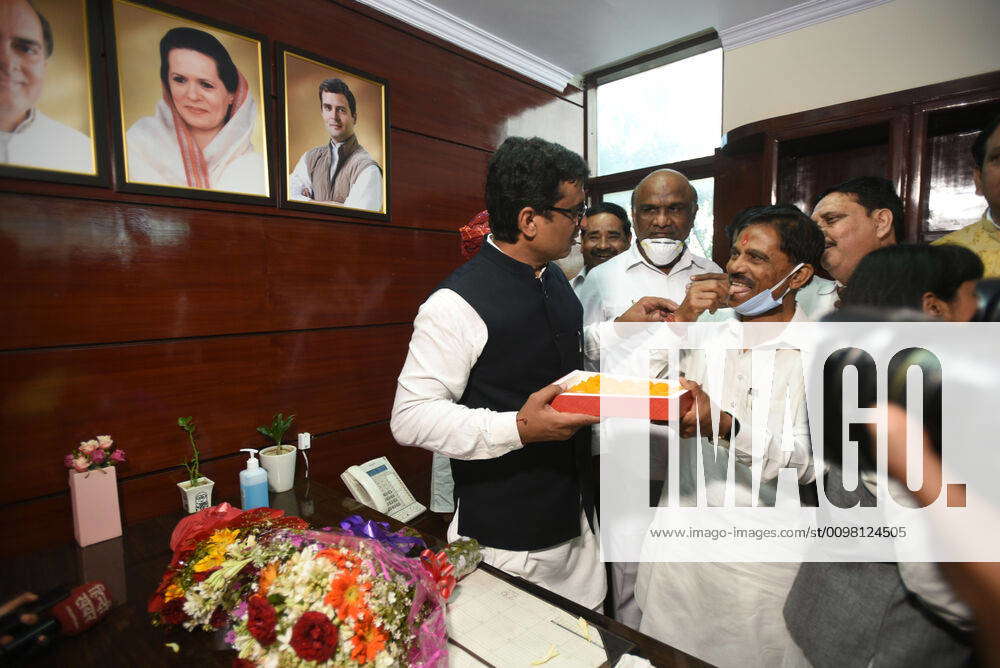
705,292
649,309
537,421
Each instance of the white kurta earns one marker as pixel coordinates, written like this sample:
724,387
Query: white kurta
731,614
448,337
42,143
233,164
365,193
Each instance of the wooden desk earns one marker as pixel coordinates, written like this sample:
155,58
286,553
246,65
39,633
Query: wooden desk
133,564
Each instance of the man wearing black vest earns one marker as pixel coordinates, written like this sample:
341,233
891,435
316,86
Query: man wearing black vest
476,384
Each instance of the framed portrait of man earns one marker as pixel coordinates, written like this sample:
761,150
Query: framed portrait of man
334,137
50,127
190,98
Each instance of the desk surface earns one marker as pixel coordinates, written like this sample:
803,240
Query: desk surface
133,564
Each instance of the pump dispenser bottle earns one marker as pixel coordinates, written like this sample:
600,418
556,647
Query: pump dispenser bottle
253,483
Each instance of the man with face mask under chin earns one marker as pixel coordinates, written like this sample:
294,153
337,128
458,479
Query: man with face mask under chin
731,613
658,264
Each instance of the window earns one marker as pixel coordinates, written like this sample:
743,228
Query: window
655,111
664,115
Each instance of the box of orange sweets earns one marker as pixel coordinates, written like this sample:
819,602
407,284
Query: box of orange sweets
612,395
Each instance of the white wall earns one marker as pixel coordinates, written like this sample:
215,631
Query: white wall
891,47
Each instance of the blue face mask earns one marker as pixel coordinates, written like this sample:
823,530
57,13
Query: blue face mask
764,301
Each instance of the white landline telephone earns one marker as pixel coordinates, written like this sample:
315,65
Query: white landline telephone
377,485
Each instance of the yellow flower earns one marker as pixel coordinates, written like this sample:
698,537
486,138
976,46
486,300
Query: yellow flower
223,537
172,592
216,555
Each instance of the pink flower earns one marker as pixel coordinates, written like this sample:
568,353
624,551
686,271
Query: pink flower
104,441
118,456
98,456
86,447
68,460
81,463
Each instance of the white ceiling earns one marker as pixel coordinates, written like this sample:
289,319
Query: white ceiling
584,35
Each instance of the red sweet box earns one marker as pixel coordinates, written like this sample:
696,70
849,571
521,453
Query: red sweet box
633,405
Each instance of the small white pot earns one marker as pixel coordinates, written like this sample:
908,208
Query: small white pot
198,496
280,467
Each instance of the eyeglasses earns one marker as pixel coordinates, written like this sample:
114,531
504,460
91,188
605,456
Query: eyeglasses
576,215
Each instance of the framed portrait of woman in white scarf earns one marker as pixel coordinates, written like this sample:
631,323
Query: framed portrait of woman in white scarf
192,117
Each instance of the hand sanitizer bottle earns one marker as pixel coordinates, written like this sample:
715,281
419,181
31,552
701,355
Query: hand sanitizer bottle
253,483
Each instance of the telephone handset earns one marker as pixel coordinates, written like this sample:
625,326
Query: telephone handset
377,485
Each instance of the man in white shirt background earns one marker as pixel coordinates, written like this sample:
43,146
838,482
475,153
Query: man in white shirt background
659,264
604,233
342,172
730,614
29,138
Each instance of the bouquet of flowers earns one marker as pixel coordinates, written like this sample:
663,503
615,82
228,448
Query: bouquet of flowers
96,453
293,596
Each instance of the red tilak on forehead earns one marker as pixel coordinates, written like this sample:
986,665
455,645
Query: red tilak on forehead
744,241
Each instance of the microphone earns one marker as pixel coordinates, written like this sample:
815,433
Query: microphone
76,612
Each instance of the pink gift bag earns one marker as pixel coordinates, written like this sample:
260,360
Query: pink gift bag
95,505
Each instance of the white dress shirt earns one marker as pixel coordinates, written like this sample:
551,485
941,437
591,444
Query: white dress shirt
731,614
41,142
365,192
577,282
448,337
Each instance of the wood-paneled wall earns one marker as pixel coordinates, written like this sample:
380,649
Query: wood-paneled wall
123,312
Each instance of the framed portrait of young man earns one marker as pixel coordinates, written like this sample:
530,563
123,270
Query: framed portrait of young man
51,129
334,137
190,97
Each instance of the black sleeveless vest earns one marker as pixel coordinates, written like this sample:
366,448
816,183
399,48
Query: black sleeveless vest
530,498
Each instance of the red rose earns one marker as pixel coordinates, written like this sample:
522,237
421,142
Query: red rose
261,618
314,638
219,618
173,612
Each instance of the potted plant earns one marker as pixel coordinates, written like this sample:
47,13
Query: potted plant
279,459
196,491
93,488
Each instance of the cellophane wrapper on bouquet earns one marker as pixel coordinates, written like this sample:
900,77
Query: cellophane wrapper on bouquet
293,596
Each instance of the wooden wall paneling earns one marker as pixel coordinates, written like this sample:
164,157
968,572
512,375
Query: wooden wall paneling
914,197
84,272
339,275
738,182
769,182
900,165
943,197
808,164
331,379
436,184
80,272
